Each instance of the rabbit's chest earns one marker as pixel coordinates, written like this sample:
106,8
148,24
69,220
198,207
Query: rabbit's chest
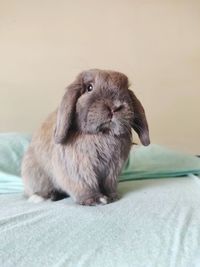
96,156
108,156
105,163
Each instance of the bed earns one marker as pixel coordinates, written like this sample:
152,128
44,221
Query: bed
156,222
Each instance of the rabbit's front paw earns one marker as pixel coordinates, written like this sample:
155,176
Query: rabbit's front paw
113,197
95,200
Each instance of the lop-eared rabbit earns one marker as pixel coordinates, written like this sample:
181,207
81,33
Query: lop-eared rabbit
81,147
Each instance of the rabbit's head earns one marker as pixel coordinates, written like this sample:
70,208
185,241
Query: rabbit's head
100,102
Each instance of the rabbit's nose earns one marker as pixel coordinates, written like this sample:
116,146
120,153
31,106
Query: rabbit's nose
113,109
109,111
116,108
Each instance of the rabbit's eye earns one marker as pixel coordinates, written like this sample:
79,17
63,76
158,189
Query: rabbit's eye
89,87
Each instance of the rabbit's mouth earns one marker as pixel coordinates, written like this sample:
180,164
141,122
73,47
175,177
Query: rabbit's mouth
105,126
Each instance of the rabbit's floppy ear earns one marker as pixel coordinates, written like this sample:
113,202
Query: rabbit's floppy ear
139,122
66,111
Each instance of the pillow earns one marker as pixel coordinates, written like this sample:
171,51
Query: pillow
12,148
155,161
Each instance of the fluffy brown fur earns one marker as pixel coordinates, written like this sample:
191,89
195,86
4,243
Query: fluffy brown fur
81,148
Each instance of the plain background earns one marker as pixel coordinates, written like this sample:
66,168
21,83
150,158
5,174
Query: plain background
45,43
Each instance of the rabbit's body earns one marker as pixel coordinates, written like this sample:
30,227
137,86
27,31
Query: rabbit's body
86,164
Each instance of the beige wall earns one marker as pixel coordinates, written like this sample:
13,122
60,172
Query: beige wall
45,43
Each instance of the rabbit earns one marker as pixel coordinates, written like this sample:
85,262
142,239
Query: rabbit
80,149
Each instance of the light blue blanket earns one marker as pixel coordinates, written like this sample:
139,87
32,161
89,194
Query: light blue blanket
154,224
153,161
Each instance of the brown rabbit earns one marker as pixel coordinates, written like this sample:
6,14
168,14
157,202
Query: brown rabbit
81,148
